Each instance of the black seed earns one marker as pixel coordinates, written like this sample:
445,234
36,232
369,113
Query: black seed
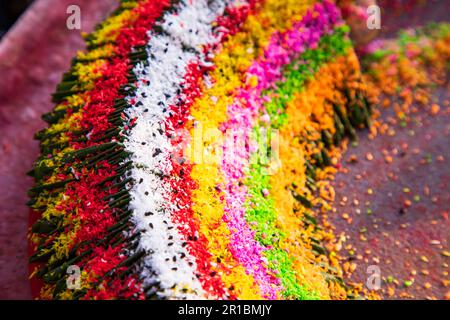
157,151
146,193
148,213
212,274
170,244
146,110
150,225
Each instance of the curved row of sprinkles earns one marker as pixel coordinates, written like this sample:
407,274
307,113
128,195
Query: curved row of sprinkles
167,262
242,114
281,199
152,179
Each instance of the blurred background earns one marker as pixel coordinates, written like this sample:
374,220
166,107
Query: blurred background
10,12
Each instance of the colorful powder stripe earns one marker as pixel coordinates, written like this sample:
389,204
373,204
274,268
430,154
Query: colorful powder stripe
173,266
94,216
263,216
97,118
147,180
179,179
261,75
209,111
305,183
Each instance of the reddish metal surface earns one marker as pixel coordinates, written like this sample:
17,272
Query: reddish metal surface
33,57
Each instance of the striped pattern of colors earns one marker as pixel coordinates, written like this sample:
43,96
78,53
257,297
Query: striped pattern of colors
188,152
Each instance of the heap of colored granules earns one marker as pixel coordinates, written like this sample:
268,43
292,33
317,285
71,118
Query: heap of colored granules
190,150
